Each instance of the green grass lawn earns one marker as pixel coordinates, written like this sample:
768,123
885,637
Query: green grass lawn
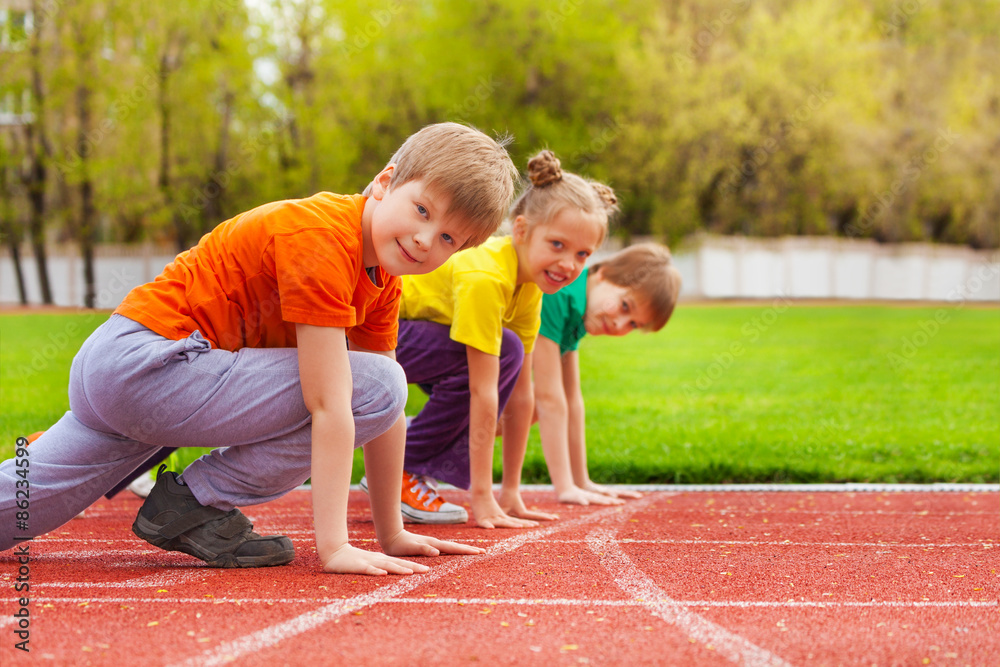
730,393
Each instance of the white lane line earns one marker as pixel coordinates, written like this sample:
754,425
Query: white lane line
268,637
849,487
625,540
630,579
736,513
845,487
80,554
789,543
531,602
157,580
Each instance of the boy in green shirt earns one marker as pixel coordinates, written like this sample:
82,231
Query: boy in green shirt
636,288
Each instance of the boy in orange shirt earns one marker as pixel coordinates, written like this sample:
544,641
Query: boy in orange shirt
272,340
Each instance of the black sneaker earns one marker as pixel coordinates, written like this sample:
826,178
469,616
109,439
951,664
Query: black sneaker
172,519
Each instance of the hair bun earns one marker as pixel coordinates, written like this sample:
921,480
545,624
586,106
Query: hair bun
606,195
544,169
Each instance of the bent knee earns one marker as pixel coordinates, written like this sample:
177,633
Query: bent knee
396,384
511,349
385,382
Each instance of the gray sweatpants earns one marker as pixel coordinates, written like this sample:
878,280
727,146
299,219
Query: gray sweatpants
132,391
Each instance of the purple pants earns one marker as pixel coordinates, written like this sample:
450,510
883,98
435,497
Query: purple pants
437,440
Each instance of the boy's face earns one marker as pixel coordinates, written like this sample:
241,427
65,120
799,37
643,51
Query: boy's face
613,310
411,232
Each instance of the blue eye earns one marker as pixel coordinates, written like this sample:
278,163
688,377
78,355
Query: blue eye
421,210
557,245
447,238
583,254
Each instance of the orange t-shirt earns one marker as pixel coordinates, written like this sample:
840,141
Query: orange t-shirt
249,280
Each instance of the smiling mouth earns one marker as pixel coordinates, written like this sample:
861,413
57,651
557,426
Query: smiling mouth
556,278
407,255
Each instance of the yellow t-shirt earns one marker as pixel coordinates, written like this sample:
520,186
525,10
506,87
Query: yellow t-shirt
476,293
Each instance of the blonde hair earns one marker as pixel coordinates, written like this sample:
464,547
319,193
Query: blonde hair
464,163
647,270
551,189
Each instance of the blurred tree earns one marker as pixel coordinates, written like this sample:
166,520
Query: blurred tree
863,118
86,27
10,227
38,150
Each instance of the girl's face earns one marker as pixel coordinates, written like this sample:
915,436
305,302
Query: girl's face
613,310
552,254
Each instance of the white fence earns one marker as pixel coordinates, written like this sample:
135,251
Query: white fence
713,267
117,269
831,268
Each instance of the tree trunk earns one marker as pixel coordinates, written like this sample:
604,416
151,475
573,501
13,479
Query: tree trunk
87,229
15,256
39,153
12,234
215,185
181,227
36,182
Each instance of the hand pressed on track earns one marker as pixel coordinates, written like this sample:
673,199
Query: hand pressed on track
405,543
351,560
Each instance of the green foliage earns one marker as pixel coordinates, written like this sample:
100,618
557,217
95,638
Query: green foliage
864,118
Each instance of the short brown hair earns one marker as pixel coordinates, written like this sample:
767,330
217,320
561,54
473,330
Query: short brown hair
469,166
648,270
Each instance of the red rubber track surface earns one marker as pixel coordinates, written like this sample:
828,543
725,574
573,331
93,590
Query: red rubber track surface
673,578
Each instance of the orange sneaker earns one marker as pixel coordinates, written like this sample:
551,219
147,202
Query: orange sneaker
421,503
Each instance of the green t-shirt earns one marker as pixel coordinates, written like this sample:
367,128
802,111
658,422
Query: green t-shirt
563,312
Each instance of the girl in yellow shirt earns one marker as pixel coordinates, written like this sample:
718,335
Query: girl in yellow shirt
466,332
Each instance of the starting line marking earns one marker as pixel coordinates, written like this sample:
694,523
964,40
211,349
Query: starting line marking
692,603
536,602
850,487
157,580
270,636
637,584
789,543
625,540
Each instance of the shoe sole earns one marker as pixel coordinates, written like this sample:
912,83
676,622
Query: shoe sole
142,486
147,530
412,515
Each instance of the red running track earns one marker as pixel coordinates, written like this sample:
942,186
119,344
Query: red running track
686,578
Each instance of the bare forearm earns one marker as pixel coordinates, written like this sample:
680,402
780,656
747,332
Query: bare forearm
577,440
553,429
482,431
384,470
332,453
517,423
